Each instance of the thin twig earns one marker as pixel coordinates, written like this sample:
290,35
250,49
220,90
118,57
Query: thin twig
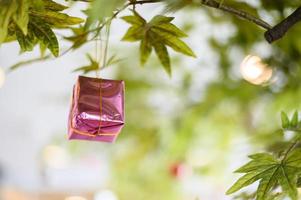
272,34
105,53
210,3
293,145
240,13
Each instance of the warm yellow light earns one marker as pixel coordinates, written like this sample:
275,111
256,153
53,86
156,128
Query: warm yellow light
255,71
75,198
2,77
55,156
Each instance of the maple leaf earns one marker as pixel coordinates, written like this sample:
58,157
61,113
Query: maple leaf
271,172
93,66
156,34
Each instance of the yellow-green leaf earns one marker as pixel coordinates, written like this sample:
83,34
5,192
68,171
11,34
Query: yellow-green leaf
134,33
52,5
248,179
267,183
161,33
295,120
42,49
44,33
57,19
145,50
163,56
288,181
101,9
11,33
21,16
113,60
79,38
7,9
174,42
170,28
273,173
93,66
26,42
285,121
135,19
160,19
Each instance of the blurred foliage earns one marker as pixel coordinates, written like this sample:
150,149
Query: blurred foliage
274,171
31,23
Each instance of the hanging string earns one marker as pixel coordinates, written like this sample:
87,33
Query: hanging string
101,49
98,53
102,64
106,46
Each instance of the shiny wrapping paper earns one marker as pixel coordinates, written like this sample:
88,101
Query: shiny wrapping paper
97,110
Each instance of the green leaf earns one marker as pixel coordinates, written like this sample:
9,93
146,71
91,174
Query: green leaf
294,159
135,19
163,56
44,33
158,33
272,173
267,182
145,50
288,181
21,17
42,49
175,43
52,5
266,160
101,9
38,5
11,33
250,178
160,19
79,38
7,9
26,42
294,120
113,60
285,121
134,33
57,19
93,66
172,29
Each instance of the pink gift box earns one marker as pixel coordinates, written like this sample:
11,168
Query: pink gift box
97,110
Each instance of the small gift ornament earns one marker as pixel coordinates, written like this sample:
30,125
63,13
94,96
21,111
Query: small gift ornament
97,110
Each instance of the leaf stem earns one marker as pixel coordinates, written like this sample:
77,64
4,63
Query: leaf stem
291,147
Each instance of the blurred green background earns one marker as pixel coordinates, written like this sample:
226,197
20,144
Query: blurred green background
184,135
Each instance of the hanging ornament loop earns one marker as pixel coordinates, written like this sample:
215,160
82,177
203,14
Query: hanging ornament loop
106,46
101,49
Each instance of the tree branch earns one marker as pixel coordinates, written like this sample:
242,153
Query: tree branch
134,2
280,29
272,34
240,13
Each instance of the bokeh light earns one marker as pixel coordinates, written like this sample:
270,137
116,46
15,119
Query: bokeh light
2,77
55,156
255,71
75,198
105,195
